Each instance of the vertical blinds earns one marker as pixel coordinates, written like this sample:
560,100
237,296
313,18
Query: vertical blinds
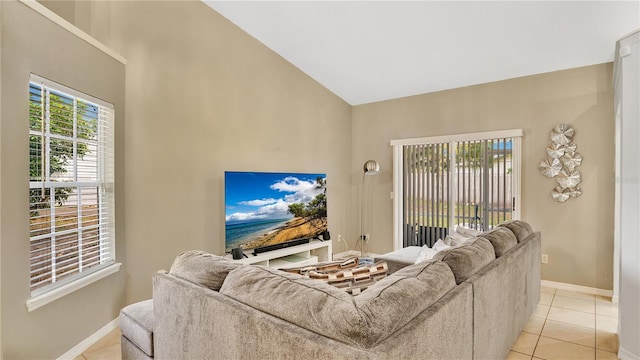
467,182
426,192
71,184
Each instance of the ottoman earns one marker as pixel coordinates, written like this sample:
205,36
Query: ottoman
136,325
400,258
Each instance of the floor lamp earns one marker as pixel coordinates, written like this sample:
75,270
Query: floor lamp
371,168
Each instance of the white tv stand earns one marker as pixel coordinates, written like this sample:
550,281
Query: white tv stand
300,255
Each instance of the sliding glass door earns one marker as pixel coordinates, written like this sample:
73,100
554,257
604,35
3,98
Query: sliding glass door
470,180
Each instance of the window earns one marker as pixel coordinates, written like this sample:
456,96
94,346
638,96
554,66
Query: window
471,180
71,185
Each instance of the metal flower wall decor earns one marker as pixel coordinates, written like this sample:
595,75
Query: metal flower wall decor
561,163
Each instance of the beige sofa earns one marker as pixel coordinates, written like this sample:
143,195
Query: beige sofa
469,302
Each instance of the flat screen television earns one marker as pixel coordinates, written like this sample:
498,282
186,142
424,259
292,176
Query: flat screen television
269,208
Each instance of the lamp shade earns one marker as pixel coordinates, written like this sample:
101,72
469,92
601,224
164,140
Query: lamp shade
371,167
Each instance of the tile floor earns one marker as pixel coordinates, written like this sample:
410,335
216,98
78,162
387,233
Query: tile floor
569,325
107,348
566,325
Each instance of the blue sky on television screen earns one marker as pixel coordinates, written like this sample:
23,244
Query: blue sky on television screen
252,196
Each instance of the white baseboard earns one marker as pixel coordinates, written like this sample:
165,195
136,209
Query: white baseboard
625,355
577,288
346,254
84,344
351,253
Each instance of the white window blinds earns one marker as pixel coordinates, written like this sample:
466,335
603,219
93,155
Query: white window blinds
71,184
471,180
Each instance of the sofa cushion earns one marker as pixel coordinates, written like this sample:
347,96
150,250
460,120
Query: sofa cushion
202,268
465,231
136,324
501,238
308,303
455,239
519,228
460,235
464,260
394,301
362,321
425,254
441,245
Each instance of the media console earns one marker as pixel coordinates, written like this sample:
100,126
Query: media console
292,256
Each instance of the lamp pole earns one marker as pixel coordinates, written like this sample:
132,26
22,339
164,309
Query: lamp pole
370,168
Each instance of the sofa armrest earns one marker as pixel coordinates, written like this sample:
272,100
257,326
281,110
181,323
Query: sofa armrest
498,320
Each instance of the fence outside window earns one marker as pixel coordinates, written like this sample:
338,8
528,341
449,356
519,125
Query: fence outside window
71,185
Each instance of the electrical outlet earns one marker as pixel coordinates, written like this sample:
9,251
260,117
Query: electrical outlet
341,240
545,258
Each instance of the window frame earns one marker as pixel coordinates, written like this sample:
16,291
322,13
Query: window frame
105,195
398,170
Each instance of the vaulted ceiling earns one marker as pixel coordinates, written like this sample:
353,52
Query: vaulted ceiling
367,51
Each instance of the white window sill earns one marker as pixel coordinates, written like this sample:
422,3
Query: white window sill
55,294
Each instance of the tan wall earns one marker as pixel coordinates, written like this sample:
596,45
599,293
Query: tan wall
204,97
33,44
577,235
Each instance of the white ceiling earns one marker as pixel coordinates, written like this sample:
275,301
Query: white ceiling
367,51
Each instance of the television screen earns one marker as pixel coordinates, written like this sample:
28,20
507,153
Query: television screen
268,208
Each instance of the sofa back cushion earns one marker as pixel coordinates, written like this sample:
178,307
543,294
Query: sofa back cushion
501,238
361,320
465,260
202,268
519,228
393,301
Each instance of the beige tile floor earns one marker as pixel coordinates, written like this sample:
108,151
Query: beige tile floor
569,325
566,325
107,348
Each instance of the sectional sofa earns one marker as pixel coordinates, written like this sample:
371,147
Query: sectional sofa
469,302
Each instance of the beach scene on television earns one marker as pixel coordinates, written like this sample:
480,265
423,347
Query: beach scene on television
265,208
